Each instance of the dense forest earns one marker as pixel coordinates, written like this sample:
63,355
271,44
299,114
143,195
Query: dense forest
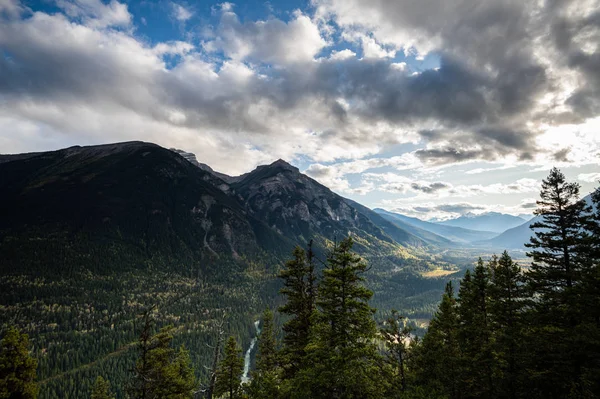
504,331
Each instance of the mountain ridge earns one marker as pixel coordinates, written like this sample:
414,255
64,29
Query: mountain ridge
516,237
489,221
158,206
457,235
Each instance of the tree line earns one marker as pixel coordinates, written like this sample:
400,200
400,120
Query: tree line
506,332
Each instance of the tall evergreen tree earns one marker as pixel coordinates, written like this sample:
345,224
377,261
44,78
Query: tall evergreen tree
229,374
397,335
300,293
17,367
101,389
265,378
436,363
342,359
474,333
556,271
556,266
162,372
506,307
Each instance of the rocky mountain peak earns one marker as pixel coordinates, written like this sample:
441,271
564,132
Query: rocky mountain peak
280,163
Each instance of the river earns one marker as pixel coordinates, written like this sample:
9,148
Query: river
247,357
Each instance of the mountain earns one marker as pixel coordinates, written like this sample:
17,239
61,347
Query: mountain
426,235
191,157
402,234
526,216
516,237
135,199
490,221
300,208
93,237
147,205
454,234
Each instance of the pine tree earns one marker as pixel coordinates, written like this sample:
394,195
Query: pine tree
506,307
474,333
160,371
101,389
230,371
300,292
556,271
17,367
342,360
265,378
397,334
556,266
436,361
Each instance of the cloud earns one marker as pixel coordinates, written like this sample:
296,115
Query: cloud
370,47
502,65
270,41
429,188
97,14
11,8
461,208
443,211
342,54
528,204
180,13
589,177
428,211
394,183
515,85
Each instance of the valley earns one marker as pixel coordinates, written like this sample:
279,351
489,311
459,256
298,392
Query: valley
92,236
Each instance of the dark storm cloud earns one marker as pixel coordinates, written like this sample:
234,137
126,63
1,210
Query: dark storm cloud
451,155
567,31
491,143
498,58
562,155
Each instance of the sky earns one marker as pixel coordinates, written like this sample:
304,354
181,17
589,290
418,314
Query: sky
432,108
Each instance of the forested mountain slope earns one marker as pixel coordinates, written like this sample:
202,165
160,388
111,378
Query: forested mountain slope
155,204
91,237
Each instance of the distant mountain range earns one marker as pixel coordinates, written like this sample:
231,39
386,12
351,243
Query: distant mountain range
146,206
455,235
490,221
516,237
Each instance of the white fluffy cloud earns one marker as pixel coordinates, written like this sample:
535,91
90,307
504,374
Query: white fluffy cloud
95,13
271,41
181,13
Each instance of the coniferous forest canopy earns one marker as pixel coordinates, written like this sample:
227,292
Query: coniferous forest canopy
122,312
